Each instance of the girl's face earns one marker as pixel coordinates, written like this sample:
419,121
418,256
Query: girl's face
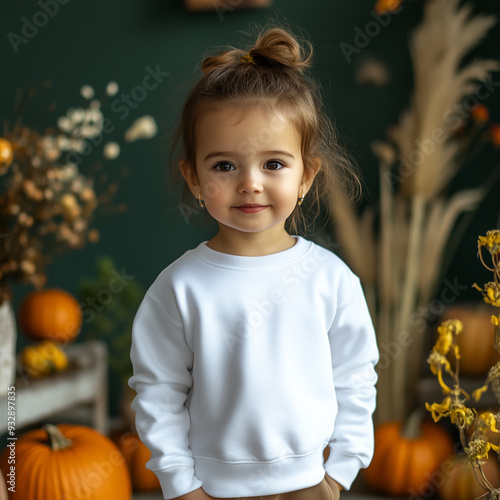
249,169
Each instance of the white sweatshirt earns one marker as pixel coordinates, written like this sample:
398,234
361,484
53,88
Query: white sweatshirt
246,368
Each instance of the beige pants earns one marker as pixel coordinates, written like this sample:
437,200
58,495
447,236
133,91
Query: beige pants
321,491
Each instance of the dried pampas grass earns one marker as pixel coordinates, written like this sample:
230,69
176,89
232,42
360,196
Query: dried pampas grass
438,46
416,219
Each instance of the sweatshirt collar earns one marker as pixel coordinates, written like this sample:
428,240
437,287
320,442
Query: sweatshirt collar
220,259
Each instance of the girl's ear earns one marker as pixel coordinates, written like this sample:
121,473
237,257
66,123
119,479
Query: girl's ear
309,174
188,171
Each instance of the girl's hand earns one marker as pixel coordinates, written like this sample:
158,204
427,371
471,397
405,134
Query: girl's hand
335,487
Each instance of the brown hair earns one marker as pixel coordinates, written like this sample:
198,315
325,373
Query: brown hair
272,74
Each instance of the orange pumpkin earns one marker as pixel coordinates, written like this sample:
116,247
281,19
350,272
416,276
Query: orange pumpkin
67,461
404,460
477,354
459,481
51,314
136,455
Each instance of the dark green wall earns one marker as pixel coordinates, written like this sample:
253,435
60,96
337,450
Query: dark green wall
91,42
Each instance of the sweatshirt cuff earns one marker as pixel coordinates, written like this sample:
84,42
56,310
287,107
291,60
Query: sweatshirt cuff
178,480
343,468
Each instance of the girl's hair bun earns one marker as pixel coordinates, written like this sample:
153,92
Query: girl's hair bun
276,47
273,48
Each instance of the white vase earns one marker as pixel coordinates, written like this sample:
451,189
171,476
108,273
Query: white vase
7,347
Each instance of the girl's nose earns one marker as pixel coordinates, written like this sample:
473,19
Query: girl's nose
250,182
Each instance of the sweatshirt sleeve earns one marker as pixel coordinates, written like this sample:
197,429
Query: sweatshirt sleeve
162,362
354,356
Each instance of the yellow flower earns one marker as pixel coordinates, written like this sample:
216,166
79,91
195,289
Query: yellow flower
454,326
479,448
444,340
462,416
496,320
439,410
493,378
491,293
479,392
438,362
446,332
459,414
491,241
487,421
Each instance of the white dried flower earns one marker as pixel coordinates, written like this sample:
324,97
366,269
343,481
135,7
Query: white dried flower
77,185
111,150
87,92
64,123
112,88
28,267
143,128
47,141
93,116
52,154
36,161
77,145
90,131
62,142
76,115
69,172
372,71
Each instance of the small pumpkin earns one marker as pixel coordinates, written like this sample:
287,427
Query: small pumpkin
67,461
407,455
42,359
51,314
136,455
477,354
459,481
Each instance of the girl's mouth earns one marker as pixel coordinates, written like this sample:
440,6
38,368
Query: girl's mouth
251,208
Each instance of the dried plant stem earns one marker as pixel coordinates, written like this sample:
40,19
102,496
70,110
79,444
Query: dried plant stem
478,470
385,402
386,237
411,428
384,283
479,474
371,299
409,295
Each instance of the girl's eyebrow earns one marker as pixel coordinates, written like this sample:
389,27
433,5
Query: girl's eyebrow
263,153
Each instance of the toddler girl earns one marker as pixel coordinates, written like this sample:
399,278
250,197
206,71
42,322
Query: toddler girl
254,352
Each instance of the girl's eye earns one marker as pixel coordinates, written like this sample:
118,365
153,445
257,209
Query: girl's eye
274,165
224,167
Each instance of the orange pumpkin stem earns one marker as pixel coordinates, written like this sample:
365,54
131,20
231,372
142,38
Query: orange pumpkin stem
412,427
57,440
